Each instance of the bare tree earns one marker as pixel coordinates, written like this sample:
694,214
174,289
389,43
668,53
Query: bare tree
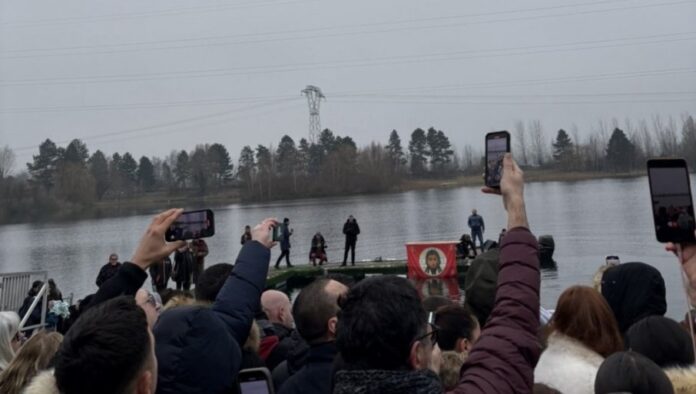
666,135
7,161
521,142
538,142
646,138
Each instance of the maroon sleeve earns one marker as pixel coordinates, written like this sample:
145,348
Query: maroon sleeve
504,357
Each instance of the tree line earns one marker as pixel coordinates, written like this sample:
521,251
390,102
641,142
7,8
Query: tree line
70,177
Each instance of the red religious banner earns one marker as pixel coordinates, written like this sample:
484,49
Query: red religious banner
432,259
448,288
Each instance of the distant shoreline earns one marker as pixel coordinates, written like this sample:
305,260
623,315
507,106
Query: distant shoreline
156,201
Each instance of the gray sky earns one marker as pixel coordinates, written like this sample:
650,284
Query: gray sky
149,77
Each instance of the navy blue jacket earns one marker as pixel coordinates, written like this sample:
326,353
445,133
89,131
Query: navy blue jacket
197,347
316,376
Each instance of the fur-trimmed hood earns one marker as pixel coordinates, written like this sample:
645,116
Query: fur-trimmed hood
683,379
568,366
43,383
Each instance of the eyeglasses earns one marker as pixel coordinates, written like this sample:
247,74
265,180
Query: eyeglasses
432,334
152,301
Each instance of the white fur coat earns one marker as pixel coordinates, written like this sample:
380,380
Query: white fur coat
43,383
567,366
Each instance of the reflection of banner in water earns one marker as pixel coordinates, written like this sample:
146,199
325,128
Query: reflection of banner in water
448,288
432,259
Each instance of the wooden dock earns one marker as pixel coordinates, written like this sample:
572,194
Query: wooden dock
279,278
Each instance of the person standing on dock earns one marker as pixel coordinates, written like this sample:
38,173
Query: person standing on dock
477,228
108,270
351,230
286,232
246,237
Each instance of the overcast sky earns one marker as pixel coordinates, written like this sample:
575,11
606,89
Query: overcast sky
149,77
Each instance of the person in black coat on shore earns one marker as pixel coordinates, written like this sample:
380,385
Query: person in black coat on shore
160,273
183,267
351,230
108,270
315,311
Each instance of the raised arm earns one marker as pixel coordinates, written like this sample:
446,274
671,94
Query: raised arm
240,297
504,357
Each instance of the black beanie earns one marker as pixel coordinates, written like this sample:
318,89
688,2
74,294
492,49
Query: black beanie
629,372
662,340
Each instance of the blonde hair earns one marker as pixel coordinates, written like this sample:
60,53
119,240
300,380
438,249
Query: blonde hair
9,326
451,367
34,357
253,342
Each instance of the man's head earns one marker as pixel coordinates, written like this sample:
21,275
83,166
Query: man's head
351,218
110,349
286,220
211,281
315,310
276,305
382,325
113,258
247,229
458,328
473,212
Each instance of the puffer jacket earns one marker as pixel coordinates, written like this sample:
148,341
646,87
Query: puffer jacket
504,357
198,348
375,381
568,366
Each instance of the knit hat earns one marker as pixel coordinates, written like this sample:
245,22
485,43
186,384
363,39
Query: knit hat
662,340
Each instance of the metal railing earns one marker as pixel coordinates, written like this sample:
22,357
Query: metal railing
13,291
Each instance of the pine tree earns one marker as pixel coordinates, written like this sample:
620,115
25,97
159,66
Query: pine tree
182,170
397,158
99,168
563,147
418,150
43,168
146,174
620,151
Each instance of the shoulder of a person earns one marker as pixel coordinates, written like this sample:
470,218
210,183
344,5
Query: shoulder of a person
563,347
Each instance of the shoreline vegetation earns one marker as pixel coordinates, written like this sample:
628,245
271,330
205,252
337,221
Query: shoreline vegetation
70,182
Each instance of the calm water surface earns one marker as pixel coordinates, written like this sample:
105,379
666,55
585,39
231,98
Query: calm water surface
589,220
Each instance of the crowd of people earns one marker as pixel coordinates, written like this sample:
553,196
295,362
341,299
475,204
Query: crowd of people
373,336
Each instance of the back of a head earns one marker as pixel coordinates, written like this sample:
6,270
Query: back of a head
435,302
312,309
629,372
211,281
195,351
547,243
481,284
104,351
454,322
662,340
634,291
379,319
581,313
9,324
35,356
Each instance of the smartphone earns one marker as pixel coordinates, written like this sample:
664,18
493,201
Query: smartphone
497,145
672,204
255,381
192,225
277,232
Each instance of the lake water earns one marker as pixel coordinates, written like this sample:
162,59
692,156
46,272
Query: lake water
588,219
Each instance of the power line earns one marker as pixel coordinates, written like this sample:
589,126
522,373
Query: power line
283,35
169,12
363,93
402,59
520,102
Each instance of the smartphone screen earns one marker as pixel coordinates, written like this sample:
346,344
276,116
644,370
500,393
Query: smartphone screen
497,145
192,225
255,381
672,204
255,387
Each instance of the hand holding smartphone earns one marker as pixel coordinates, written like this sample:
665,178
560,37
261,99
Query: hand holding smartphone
192,225
671,200
497,145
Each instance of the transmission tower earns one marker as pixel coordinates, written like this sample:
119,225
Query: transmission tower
314,97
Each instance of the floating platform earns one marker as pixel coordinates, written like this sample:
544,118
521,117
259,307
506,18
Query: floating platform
299,274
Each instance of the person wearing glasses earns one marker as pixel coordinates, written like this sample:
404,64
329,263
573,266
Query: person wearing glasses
108,270
388,346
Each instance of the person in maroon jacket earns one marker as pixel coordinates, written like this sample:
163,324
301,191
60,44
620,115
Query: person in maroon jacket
387,345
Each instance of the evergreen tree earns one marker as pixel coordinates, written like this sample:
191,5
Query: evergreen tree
395,152
43,168
76,153
182,170
200,168
220,164
146,174
440,150
620,151
129,168
418,150
563,147
99,168
286,156
246,167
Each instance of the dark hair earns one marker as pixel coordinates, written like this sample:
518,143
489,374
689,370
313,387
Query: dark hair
379,320
168,294
662,340
35,287
434,302
286,220
631,373
211,281
104,350
313,307
454,322
433,252
540,388
583,314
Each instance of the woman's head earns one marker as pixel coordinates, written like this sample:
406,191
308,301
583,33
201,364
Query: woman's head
629,372
9,327
583,314
432,259
36,355
662,340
